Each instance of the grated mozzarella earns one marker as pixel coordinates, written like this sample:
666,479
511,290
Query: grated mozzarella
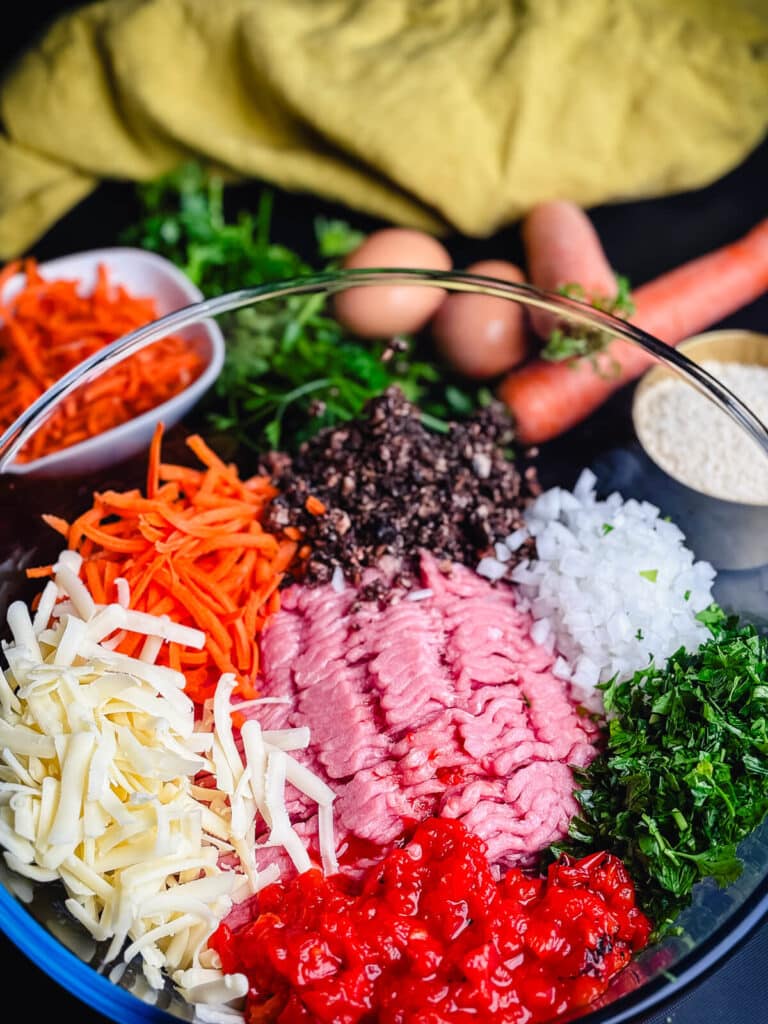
147,816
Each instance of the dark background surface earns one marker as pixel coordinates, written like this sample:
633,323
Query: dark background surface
642,239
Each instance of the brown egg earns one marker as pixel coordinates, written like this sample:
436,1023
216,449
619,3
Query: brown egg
380,311
481,336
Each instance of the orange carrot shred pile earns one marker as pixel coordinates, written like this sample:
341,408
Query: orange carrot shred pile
193,548
48,327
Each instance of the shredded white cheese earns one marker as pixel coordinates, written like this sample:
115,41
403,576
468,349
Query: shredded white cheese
103,769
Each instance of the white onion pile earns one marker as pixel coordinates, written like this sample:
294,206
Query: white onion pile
612,586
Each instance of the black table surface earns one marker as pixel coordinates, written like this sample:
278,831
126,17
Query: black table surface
642,239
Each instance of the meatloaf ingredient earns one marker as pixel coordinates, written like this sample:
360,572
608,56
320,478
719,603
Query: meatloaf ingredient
48,326
698,443
612,585
430,935
381,311
391,486
478,335
193,547
438,703
113,785
549,398
290,367
563,252
682,779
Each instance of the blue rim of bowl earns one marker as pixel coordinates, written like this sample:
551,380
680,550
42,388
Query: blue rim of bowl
712,953
96,990
68,970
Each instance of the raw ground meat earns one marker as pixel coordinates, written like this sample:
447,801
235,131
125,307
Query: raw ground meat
441,705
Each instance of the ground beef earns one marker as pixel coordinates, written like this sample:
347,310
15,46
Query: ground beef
441,705
391,486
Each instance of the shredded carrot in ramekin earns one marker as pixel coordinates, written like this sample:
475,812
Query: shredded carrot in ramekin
48,327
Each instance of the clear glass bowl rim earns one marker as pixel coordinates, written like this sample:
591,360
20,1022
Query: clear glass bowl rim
96,990
332,282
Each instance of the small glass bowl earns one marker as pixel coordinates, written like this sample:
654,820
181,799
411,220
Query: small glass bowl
717,921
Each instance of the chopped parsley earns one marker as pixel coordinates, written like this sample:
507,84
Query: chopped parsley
684,775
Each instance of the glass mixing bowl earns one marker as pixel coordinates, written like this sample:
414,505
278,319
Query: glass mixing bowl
33,916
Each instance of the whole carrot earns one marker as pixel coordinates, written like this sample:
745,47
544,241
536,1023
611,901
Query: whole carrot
548,398
563,249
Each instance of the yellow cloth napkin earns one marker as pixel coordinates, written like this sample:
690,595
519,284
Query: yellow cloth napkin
441,114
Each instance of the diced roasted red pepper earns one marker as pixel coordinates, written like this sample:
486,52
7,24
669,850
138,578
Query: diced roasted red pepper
430,936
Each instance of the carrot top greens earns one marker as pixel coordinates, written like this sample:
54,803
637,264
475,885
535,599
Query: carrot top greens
573,341
683,777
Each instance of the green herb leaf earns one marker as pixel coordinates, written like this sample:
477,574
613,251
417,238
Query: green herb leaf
682,779
290,368
574,341
336,238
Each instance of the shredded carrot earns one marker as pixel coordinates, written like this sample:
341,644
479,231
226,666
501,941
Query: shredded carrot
39,572
60,525
48,327
193,548
314,505
153,472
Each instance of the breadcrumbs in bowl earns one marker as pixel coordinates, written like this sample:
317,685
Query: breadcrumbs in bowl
693,440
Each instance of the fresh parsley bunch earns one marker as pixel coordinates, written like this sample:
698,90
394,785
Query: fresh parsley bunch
684,776
290,368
